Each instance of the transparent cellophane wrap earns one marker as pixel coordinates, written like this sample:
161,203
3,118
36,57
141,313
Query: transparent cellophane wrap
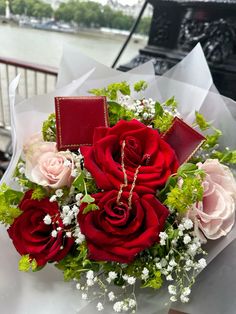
190,81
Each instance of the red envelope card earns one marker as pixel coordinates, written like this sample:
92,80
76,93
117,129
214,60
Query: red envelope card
76,119
183,139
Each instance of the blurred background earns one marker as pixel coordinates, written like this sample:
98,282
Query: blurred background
119,33
33,32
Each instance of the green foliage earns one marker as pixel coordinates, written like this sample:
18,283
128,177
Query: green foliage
49,129
183,189
9,200
212,139
155,281
144,25
226,157
182,196
26,264
2,7
79,182
39,193
89,208
117,112
87,199
73,265
163,119
201,121
35,8
140,86
111,90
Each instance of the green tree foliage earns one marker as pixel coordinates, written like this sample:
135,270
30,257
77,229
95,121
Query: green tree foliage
35,8
93,14
2,7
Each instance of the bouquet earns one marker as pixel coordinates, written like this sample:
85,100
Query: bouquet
119,192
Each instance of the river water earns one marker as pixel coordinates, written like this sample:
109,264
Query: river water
45,47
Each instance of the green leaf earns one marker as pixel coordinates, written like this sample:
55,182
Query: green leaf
117,112
140,86
79,182
158,109
87,199
212,140
186,167
201,121
171,102
90,207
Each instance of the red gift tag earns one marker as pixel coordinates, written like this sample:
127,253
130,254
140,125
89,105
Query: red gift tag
183,139
76,118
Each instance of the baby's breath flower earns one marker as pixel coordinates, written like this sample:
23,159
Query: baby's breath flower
53,198
188,224
172,289
131,280
68,234
74,173
90,282
187,239
111,296
184,299
173,298
90,274
117,307
59,193
112,275
172,263
47,220
132,303
145,273
163,236
54,233
22,170
65,209
202,263
186,291
169,278
67,221
100,306
84,296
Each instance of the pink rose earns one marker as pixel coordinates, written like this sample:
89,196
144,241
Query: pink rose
48,167
215,215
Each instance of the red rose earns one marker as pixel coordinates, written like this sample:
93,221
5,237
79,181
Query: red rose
118,232
30,235
145,155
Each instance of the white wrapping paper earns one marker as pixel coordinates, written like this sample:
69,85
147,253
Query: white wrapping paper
191,83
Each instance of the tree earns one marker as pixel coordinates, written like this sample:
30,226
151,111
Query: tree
144,25
2,7
34,8
66,11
